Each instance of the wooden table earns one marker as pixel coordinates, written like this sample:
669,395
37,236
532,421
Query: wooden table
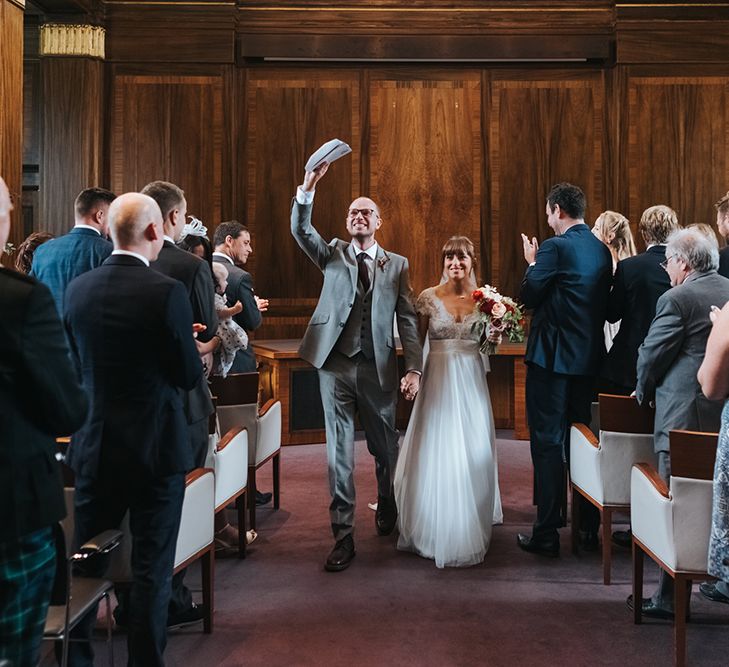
293,381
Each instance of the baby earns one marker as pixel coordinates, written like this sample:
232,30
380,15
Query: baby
232,336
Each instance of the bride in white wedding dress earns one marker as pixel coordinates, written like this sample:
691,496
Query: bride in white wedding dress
446,480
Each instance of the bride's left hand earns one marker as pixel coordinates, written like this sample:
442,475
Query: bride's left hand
409,385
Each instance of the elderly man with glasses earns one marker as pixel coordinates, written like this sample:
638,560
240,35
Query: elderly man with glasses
670,357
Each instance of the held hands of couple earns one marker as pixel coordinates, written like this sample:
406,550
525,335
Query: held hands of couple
409,385
530,248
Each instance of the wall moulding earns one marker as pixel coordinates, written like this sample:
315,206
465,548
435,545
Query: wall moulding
72,39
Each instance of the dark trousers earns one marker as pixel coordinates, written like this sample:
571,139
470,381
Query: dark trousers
155,508
553,402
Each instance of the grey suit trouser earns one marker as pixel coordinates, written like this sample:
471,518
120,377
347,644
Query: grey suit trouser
349,386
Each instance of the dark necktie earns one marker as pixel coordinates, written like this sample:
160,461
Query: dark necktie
364,274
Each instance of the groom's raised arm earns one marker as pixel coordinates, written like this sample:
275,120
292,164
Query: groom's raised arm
309,240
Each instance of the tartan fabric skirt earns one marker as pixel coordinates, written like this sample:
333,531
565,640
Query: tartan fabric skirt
27,570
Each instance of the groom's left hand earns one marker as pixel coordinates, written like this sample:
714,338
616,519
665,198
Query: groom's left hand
409,385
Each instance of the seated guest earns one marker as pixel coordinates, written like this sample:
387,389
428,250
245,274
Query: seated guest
26,250
613,229
708,232
714,379
40,399
670,356
637,284
722,224
85,247
131,330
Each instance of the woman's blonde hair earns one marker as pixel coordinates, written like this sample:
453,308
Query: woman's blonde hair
612,222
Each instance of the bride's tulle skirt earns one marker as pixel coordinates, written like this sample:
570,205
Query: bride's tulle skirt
446,480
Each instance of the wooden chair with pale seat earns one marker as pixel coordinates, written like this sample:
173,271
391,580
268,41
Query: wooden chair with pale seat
673,525
237,405
600,467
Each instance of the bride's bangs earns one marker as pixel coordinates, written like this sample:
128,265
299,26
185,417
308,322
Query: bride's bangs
459,245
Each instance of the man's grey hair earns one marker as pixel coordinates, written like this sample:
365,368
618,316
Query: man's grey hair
699,252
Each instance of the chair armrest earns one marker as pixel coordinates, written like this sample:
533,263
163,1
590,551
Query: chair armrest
266,407
228,437
654,478
102,543
586,431
195,474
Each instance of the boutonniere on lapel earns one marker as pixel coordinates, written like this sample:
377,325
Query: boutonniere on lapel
382,262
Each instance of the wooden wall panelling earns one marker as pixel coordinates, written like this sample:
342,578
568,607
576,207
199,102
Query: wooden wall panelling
678,144
72,136
545,127
11,109
170,128
290,114
425,163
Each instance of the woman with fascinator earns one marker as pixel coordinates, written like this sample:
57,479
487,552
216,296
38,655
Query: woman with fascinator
446,481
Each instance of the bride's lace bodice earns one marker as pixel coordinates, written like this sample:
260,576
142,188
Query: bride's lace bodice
442,325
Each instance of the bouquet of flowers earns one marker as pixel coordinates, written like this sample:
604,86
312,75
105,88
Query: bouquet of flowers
497,316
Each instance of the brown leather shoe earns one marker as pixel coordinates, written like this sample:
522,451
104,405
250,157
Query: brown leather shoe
341,555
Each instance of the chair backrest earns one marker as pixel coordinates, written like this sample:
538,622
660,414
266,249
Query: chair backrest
693,454
623,414
230,462
268,437
235,389
198,509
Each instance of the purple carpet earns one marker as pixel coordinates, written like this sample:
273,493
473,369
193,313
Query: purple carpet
279,607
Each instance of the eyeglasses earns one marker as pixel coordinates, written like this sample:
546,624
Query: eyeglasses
664,263
366,212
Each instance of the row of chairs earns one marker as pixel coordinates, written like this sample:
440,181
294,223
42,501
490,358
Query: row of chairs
614,467
251,437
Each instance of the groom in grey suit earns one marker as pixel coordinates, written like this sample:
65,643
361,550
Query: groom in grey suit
350,340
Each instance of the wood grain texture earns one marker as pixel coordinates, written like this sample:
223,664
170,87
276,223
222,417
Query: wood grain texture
170,128
290,114
424,166
544,128
72,131
11,109
678,144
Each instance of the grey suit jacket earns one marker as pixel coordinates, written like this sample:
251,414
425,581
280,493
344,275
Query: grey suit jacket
672,352
391,296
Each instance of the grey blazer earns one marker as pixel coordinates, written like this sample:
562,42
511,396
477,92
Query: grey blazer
391,296
672,352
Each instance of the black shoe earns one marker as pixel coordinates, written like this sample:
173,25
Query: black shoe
385,515
708,590
588,540
121,618
263,498
542,547
190,616
623,538
650,609
341,555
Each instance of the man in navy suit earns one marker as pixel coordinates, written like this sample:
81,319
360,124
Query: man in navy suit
722,224
130,328
566,284
58,261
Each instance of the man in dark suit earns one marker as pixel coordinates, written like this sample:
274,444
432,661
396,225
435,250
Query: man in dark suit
57,262
40,399
637,284
232,243
194,273
131,330
722,224
566,284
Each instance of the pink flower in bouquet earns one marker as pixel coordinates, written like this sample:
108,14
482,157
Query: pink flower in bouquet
497,317
498,310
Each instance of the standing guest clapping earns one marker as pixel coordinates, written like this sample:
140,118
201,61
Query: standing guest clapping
40,399
637,284
131,330
85,247
566,284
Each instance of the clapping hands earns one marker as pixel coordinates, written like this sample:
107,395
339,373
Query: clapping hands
530,248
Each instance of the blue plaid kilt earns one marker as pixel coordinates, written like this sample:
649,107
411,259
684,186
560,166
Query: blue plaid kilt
27,570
